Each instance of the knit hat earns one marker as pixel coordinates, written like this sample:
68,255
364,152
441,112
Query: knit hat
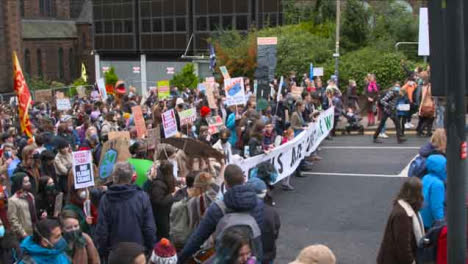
164,253
204,111
259,186
315,254
203,180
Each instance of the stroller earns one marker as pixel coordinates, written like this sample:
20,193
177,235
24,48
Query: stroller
354,123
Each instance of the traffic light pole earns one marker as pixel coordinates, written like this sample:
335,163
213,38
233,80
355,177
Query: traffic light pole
455,127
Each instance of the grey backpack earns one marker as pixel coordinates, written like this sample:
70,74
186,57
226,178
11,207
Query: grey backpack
180,223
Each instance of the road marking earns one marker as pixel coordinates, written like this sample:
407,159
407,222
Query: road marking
354,174
366,147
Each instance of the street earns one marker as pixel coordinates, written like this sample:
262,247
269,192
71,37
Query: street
345,201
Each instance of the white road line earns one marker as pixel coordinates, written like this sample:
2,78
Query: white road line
365,147
354,174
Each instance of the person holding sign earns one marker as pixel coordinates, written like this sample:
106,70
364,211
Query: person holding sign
76,203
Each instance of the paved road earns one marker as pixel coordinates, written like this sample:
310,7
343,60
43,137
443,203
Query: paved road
346,201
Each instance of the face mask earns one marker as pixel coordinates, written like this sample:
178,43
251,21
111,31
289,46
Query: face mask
73,236
82,195
396,89
50,188
27,187
2,231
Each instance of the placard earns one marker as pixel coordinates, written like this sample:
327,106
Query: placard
225,72
63,104
107,163
210,79
296,91
235,92
102,88
58,204
139,121
267,41
169,123
188,116
43,95
154,137
59,95
215,123
201,87
210,95
81,90
83,169
118,134
318,71
164,91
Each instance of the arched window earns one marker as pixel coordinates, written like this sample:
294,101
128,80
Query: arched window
39,63
60,63
22,8
27,62
71,63
41,7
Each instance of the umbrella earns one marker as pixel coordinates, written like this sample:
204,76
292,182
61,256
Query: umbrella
194,148
141,166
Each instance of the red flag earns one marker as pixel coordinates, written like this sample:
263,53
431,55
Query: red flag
24,97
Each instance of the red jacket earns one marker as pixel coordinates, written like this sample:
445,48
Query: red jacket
442,247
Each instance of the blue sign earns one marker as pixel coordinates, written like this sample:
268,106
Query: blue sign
107,164
311,71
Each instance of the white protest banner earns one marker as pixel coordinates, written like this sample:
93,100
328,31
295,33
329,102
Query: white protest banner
286,158
83,169
63,104
102,88
188,116
225,72
235,92
169,123
318,71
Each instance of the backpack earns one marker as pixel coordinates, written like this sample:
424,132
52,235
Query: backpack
417,167
232,219
180,223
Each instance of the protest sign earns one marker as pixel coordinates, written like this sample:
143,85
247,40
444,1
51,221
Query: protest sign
163,90
58,204
83,169
154,137
113,151
225,72
81,90
210,87
63,104
169,123
43,95
210,79
215,123
59,95
141,167
139,121
201,87
296,91
235,93
118,134
318,71
102,88
188,116
286,158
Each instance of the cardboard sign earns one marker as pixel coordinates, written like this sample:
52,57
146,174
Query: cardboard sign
210,79
201,87
318,71
188,116
59,95
102,88
58,204
210,87
43,95
107,163
154,137
235,92
83,169
225,72
118,134
215,123
139,121
169,123
296,91
81,91
164,91
63,104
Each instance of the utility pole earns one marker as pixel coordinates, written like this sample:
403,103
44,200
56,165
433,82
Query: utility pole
337,44
455,124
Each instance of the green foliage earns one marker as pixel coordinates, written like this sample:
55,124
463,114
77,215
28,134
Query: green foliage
355,26
110,77
37,83
186,78
78,82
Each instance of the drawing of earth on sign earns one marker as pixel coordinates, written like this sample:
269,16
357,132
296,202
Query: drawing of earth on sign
233,90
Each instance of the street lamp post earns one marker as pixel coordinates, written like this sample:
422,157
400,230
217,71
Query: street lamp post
336,55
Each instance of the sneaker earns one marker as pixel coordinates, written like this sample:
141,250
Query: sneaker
383,135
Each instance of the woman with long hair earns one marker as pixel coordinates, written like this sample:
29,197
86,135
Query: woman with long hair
235,247
372,93
405,227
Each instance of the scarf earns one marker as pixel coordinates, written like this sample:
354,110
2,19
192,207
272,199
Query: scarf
372,87
418,227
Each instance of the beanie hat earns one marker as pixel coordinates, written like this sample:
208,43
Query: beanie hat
164,253
259,186
17,181
204,111
315,254
203,180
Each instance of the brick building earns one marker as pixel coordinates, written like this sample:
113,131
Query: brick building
52,38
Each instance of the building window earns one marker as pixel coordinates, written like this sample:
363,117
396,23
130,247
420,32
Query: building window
22,8
201,24
27,62
71,62
128,26
60,63
227,22
41,7
214,23
180,24
98,27
241,23
168,25
118,26
108,27
39,63
157,25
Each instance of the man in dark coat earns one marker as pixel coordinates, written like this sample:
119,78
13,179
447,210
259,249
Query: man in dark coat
238,197
125,214
389,111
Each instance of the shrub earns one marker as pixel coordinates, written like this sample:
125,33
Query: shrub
110,77
186,78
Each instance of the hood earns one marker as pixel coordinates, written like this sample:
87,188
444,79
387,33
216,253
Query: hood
241,198
121,192
427,150
36,251
437,165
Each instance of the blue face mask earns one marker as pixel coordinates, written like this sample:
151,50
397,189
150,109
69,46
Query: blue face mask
2,231
396,88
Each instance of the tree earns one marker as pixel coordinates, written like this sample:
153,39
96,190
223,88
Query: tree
186,78
355,27
110,77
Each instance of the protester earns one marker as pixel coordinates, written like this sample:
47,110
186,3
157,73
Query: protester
403,107
256,139
315,254
426,111
45,198
76,203
372,93
352,96
22,214
123,208
389,111
235,247
63,164
127,253
223,145
405,228
163,253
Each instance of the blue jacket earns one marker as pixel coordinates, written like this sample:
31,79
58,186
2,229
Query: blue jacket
231,125
402,100
239,198
42,255
125,215
434,190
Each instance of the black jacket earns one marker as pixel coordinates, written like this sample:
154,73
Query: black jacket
125,215
161,202
270,232
389,102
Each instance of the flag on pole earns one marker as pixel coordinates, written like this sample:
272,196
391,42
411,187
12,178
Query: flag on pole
24,97
212,58
83,73
311,71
